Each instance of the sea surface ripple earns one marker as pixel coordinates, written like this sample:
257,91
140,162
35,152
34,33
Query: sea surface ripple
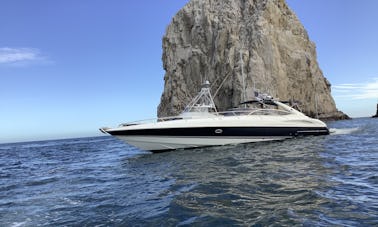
310,181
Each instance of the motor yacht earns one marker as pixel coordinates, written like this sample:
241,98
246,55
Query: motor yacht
200,124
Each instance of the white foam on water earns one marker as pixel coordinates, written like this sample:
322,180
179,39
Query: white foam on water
71,202
342,131
18,224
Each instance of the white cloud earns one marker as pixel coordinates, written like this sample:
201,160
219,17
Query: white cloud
20,56
367,90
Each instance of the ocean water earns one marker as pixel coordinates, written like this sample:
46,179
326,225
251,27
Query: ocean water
311,181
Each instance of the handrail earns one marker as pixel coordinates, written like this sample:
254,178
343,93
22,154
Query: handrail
151,120
269,111
254,112
222,114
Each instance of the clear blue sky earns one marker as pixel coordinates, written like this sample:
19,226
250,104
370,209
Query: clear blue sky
70,67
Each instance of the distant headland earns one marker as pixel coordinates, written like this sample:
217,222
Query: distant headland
376,114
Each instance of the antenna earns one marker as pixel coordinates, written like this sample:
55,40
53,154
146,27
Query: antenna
243,79
316,98
316,105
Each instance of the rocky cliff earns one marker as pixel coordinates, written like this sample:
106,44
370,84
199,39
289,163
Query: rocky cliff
221,41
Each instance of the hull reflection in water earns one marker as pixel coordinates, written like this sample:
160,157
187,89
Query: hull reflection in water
247,184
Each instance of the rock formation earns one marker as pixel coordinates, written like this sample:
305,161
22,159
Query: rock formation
221,41
376,115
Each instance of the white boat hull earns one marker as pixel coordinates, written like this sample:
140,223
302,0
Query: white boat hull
215,130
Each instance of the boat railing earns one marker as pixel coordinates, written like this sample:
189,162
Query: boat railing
253,112
152,120
270,112
243,112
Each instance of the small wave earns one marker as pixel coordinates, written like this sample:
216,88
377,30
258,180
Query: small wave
342,131
189,221
18,224
72,202
41,181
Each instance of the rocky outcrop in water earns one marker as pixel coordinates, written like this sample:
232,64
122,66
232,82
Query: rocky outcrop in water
376,115
221,41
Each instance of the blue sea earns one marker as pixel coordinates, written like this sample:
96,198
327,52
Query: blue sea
310,181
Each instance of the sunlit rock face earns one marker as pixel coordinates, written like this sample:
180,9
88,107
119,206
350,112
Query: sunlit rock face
256,44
